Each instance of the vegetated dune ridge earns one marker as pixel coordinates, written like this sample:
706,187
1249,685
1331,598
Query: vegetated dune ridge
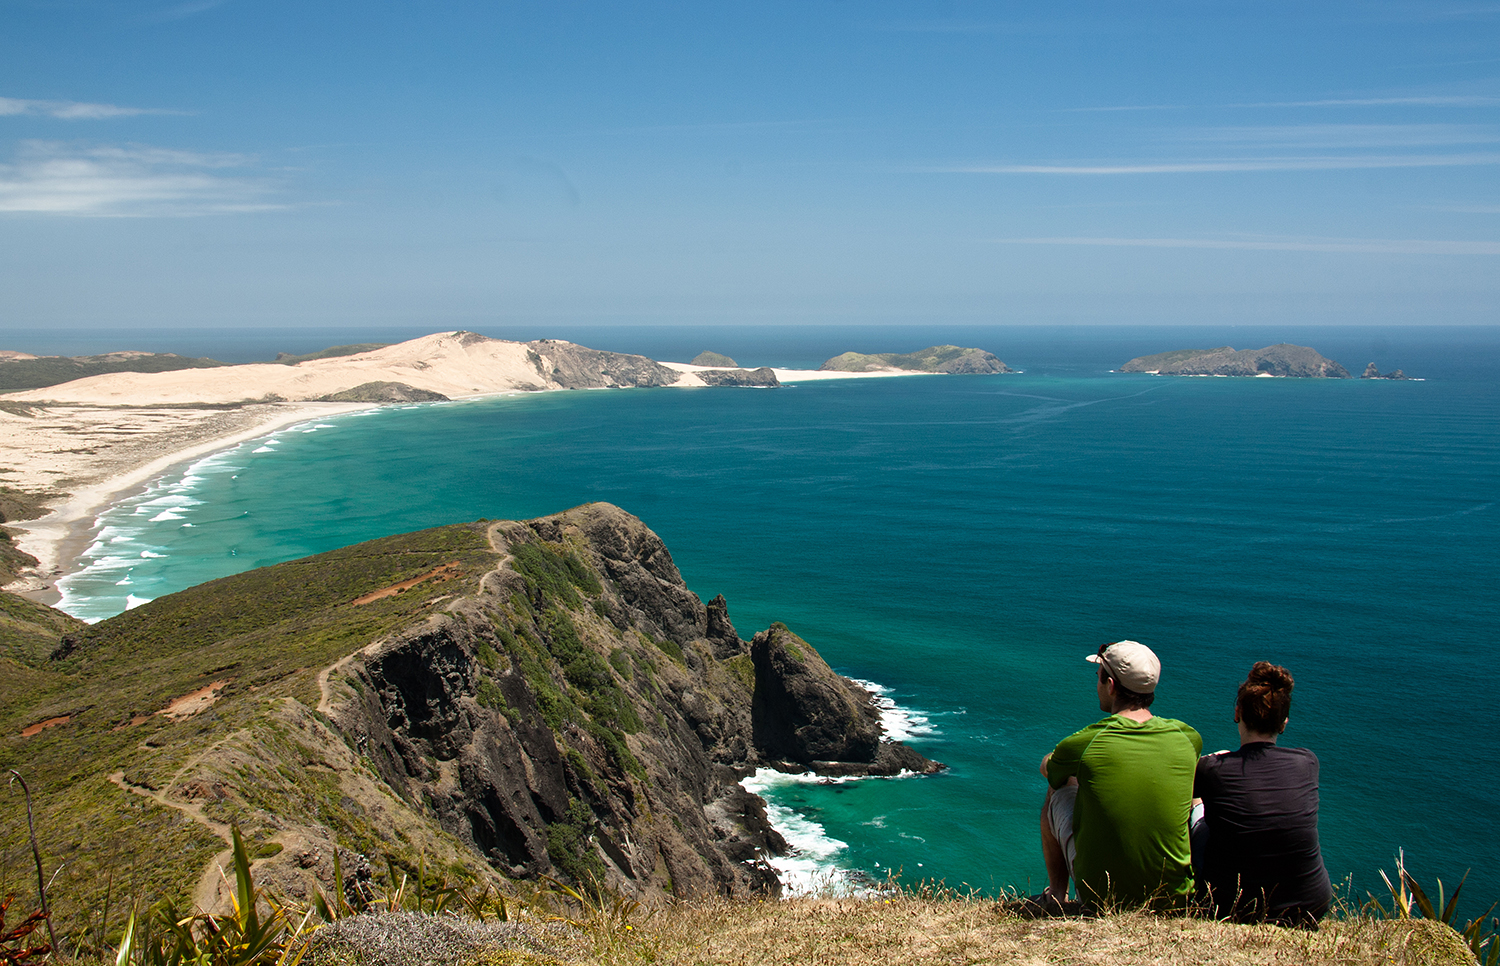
498,699
21,370
1275,360
452,364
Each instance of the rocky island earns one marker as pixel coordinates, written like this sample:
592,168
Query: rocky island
939,358
1372,371
503,699
1276,360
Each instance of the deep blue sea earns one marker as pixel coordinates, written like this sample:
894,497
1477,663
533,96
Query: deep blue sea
964,541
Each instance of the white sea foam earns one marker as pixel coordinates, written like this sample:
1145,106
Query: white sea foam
166,515
812,864
263,449
900,724
816,863
132,601
149,555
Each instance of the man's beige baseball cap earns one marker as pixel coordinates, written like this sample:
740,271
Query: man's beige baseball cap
1132,664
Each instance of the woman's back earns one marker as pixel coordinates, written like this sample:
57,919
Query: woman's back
1262,860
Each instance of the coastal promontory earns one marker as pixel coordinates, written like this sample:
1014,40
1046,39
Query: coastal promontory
444,365
939,358
1276,360
499,699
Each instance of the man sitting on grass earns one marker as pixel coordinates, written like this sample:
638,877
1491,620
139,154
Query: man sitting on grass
1118,798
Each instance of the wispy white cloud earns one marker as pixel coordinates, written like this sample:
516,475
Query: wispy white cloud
72,110
117,181
1347,135
1467,209
1363,246
188,9
1423,100
1221,165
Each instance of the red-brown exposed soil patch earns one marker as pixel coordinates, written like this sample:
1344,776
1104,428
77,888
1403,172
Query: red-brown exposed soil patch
193,702
40,726
446,572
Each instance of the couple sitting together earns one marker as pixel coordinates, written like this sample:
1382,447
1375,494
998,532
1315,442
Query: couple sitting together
1132,811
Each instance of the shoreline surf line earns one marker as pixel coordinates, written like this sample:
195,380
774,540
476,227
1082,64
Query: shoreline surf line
797,375
60,538
816,861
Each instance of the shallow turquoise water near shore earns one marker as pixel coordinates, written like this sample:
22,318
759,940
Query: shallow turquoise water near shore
965,541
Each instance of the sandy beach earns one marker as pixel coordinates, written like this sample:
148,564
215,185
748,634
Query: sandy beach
798,375
86,444
93,456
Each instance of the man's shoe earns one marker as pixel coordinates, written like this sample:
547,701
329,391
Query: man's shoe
1043,905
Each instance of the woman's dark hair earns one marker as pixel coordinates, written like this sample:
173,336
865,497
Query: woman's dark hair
1265,699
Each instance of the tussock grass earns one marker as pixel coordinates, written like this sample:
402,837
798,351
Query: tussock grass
900,929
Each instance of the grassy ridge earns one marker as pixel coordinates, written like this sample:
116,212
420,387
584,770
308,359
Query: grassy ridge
267,633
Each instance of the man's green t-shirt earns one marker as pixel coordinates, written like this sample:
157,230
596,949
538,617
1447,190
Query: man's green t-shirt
1130,823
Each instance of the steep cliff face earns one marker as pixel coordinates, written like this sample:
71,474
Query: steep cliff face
585,714
491,699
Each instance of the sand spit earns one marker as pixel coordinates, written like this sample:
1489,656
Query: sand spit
93,441
795,375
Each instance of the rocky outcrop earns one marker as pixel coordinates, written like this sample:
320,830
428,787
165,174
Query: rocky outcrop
716,360
385,392
570,366
587,714
806,716
939,358
763,377
1373,372
1277,360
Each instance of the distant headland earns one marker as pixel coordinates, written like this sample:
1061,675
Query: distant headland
1295,361
951,359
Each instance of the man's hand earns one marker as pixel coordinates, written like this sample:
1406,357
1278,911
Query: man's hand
1045,758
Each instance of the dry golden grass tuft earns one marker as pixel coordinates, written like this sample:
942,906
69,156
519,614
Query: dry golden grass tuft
880,931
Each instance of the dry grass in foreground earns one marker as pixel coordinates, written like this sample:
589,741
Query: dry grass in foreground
857,932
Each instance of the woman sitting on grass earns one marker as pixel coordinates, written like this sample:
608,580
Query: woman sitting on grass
1256,848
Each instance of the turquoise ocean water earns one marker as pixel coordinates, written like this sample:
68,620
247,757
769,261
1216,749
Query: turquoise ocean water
964,541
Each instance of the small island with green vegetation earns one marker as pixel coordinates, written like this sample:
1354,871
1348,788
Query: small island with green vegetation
950,359
1296,361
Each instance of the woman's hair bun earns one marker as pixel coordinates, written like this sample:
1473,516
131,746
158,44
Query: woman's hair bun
1265,699
1271,676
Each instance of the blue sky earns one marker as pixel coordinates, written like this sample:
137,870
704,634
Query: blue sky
453,164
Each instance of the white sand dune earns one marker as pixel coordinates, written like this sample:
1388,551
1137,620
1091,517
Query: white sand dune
455,364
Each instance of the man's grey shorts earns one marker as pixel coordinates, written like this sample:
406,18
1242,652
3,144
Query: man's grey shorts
1060,817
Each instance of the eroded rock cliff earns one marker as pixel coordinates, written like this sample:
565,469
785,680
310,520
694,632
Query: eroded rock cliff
497,699
587,714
